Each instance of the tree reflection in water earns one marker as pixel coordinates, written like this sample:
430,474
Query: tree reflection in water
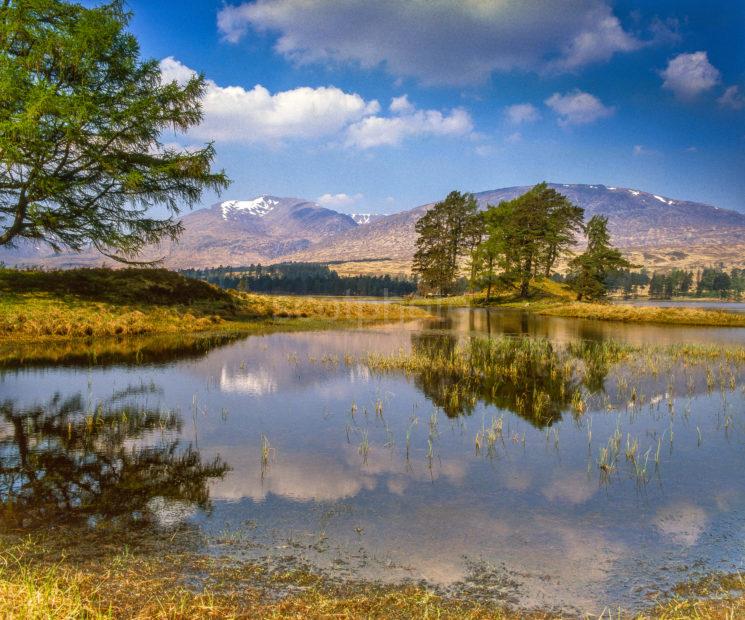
64,462
528,376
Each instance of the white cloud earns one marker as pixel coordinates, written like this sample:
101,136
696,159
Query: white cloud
689,75
237,114
578,108
522,113
597,43
437,41
339,200
484,150
401,105
171,70
375,131
732,99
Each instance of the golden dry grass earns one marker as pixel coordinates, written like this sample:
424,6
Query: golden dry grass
99,302
647,314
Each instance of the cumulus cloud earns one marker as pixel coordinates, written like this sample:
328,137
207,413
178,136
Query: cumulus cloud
375,131
171,70
689,75
339,200
401,105
732,99
596,43
437,41
522,113
237,114
578,108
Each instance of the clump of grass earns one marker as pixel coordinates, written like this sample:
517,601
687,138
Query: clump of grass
364,447
267,454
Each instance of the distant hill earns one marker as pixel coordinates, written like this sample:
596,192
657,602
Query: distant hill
656,231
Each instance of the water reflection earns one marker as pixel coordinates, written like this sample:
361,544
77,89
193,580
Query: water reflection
526,377
67,461
514,322
138,350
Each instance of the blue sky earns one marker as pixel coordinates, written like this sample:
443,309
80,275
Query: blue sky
382,106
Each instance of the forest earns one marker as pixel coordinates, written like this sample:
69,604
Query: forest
302,279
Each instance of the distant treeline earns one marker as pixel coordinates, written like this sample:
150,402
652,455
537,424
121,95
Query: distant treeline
707,282
302,279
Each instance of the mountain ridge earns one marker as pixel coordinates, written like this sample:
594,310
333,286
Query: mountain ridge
653,230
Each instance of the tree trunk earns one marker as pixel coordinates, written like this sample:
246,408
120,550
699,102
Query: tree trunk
524,288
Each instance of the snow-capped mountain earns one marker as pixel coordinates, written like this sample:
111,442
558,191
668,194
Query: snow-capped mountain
258,206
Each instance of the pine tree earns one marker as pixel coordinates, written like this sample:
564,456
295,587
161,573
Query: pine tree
80,119
527,235
445,234
590,268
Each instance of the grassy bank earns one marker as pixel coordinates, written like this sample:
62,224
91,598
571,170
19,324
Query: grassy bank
553,299
646,314
102,302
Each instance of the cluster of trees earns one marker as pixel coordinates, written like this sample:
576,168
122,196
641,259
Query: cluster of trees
709,282
302,279
512,243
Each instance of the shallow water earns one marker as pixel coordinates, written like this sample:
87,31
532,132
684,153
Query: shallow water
533,521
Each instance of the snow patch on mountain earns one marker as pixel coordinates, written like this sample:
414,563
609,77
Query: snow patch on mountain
661,199
362,218
258,206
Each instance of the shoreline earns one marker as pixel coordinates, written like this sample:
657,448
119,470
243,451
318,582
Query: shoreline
165,574
610,311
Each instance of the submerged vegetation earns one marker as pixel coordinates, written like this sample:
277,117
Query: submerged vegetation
105,302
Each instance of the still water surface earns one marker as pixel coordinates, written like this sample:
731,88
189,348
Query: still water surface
362,475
